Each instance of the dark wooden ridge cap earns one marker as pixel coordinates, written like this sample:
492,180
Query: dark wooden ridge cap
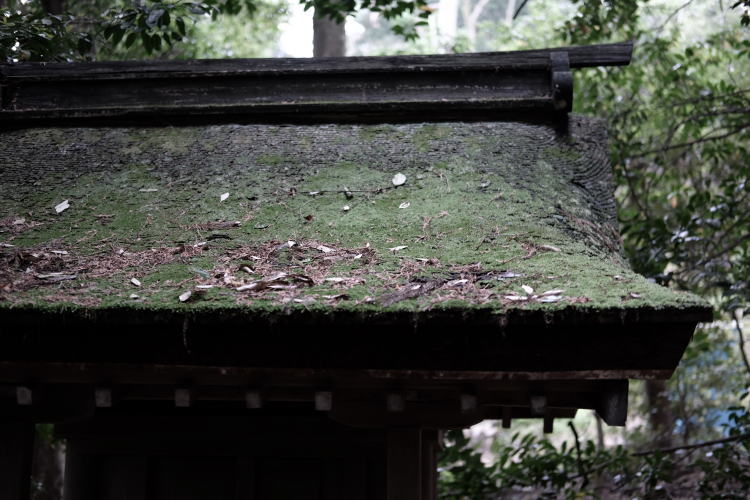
530,84
614,54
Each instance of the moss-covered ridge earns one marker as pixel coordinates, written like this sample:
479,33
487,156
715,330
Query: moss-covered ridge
491,216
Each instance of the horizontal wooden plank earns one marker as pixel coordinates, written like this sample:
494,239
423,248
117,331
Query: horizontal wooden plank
616,54
367,89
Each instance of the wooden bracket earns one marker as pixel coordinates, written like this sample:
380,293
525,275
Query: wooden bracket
24,395
323,400
613,403
561,80
253,399
103,397
183,397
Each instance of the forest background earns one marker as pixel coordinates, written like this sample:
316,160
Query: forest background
679,125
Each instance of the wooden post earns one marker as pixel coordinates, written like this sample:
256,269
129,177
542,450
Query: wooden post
429,464
16,443
404,464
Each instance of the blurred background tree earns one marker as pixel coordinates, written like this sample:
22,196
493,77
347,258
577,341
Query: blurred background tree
679,124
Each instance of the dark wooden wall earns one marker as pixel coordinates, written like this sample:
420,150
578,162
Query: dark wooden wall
259,458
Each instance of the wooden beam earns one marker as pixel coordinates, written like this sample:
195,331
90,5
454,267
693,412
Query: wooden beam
430,447
16,444
404,464
468,403
323,400
613,404
24,395
183,397
253,399
507,417
103,397
614,54
401,88
395,402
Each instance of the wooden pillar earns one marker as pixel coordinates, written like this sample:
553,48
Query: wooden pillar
16,448
404,464
429,464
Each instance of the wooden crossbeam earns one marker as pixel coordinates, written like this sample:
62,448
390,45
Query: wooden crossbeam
368,89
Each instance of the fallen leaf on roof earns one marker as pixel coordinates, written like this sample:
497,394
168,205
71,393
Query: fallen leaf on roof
186,296
61,207
305,300
55,277
223,197
135,281
551,248
578,300
457,282
201,272
549,298
396,249
508,274
399,179
340,296
527,289
251,286
405,204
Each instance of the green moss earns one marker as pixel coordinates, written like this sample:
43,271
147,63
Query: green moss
479,198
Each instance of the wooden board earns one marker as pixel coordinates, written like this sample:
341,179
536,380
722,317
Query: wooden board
398,88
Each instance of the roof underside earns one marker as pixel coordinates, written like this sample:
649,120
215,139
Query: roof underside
313,221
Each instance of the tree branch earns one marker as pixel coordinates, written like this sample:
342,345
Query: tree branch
581,468
740,437
688,144
738,322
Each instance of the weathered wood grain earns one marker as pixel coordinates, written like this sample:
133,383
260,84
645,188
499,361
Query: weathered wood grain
370,89
616,54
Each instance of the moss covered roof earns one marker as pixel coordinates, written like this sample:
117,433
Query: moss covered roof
495,216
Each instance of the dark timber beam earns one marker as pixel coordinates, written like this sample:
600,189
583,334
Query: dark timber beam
533,84
16,442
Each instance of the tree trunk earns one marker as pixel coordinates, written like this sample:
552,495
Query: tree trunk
660,414
329,37
54,6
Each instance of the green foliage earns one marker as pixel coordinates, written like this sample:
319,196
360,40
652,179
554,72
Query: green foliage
41,37
114,29
679,129
389,9
536,467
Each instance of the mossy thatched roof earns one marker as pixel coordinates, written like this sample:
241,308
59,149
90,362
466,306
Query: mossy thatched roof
498,217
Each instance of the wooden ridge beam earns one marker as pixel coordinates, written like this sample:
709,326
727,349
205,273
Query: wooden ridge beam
486,86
